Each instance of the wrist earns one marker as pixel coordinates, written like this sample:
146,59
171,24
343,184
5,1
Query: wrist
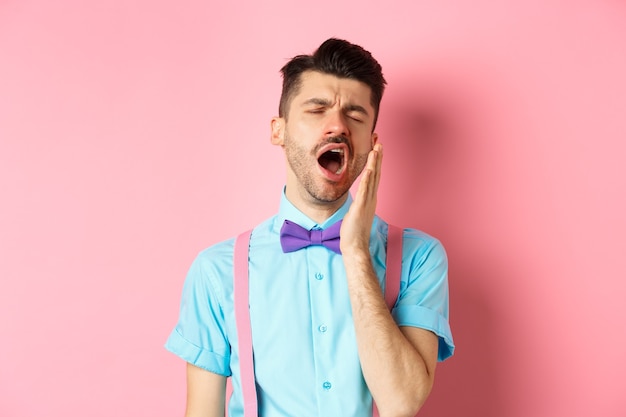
355,246
356,253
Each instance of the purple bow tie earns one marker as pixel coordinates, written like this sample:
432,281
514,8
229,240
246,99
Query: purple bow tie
294,237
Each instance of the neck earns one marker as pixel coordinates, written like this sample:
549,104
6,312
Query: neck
316,210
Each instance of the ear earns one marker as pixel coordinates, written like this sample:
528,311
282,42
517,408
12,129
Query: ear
374,139
278,131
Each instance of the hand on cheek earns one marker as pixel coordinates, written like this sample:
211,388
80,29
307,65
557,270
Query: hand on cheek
355,230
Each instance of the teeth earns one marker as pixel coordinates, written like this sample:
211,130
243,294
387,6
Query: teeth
331,157
340,152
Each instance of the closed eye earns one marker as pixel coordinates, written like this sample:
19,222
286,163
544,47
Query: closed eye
356,117
316,111
356,113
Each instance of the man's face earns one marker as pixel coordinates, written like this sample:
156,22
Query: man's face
327,135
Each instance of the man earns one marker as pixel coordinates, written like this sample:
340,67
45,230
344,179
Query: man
325,343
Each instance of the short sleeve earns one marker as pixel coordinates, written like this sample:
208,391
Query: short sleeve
423,299
199,336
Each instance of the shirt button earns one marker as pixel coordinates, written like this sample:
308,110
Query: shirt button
319,276
322,328
326,385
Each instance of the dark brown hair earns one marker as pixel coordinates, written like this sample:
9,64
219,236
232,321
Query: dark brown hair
339,58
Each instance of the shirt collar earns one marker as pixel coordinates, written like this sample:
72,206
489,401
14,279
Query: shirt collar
288,211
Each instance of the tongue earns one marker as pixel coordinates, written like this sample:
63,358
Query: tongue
331,161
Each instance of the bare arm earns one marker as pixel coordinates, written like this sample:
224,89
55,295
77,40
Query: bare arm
398,362
206,393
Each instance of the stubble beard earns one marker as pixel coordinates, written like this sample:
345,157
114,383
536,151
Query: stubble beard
304,165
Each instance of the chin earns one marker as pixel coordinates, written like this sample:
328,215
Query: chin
329,194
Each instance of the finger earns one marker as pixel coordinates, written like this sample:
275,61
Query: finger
379,161
371,168
364,185
373,163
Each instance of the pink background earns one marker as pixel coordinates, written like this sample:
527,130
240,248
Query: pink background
134,134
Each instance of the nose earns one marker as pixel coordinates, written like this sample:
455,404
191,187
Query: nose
336,124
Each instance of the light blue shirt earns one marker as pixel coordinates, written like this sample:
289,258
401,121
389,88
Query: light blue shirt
305,353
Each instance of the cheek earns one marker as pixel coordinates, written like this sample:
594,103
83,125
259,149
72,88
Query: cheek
302,135
364,144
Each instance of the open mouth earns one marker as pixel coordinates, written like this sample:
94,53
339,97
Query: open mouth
333,160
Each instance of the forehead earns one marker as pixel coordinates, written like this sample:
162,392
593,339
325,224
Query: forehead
315,84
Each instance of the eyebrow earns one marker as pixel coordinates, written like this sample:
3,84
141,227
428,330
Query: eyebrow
326,103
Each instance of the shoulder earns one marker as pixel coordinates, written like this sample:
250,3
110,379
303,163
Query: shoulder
420,246
216,254
417,245
219,256
211,270
412,237
419,239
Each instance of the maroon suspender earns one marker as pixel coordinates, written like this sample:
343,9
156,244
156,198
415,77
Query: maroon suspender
242,312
